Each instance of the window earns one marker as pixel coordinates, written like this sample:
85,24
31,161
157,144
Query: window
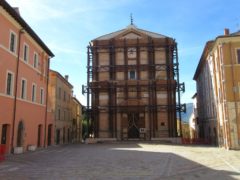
24,89
59,93
132,74
59,114
25,52
35,60
13,42
9,89
238,56
41,96
64,96
33,93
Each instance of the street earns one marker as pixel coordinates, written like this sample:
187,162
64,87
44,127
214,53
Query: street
125,160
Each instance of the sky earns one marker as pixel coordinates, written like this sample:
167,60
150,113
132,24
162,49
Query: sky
67,27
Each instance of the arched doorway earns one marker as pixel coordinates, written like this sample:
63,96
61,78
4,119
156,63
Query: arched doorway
68,135
39,135
58,136
20,133
4,134
63,135
133,130
49,135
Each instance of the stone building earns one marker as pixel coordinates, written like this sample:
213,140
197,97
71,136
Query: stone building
60,98
132,82
24,64
218,84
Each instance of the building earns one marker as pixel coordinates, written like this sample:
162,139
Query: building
132,81
186,117
193,120
60,98
218,81
77,120
24,64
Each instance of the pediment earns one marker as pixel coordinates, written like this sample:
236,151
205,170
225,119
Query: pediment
131,35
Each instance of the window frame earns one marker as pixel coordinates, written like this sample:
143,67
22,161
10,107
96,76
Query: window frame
14,50
130,75
25,53
238,55
41,96
11,85
34,93
23,96
35,60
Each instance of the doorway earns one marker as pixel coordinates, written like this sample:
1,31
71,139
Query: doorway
58,136
49,135
39,135
133,129
4,134
20,134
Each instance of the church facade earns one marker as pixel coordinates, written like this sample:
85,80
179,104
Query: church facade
133,89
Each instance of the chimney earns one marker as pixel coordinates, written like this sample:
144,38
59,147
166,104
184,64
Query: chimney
66,77
17,10
226,32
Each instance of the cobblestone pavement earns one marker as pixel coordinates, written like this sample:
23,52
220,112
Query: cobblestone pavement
127,160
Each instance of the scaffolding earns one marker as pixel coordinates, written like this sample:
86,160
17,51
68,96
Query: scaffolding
113,86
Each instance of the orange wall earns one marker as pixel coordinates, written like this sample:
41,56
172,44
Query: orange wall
31,113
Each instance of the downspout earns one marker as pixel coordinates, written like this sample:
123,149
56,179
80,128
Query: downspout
45,123
20,32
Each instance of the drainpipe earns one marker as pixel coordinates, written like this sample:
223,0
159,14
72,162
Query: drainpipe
45,123
21,31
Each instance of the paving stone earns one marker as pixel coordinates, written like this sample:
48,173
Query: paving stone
132,160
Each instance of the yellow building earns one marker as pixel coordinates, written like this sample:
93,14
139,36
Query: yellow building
60,97
77,120
221,58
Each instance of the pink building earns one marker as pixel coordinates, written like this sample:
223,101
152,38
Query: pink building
24,64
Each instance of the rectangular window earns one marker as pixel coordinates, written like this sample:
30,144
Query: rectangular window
59,93
59,114
24,89
64,96
25,52
41,96
238,56
35,60
33,93
13,42
132,74
9,89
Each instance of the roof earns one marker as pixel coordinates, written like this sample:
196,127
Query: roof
61,77
75,99
195,95
12,12
208,47
130,27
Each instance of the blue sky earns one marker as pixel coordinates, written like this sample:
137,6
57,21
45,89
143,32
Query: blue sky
67,27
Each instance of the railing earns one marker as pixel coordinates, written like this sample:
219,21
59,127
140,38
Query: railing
195,141
2,152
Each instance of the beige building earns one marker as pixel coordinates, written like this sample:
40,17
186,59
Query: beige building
217,76
77,120
60,97
132,82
